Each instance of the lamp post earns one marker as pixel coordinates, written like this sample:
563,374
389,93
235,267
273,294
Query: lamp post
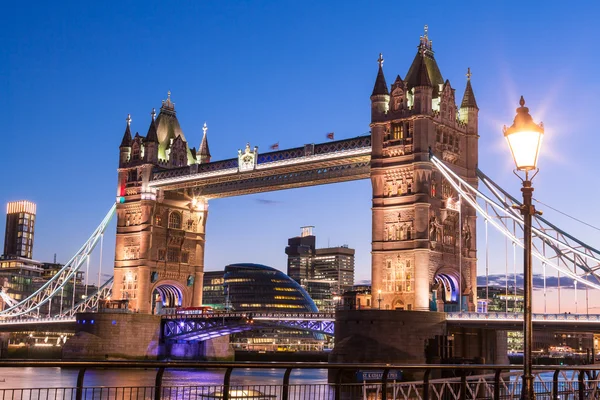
524,138
379,298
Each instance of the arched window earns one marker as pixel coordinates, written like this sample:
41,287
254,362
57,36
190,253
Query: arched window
175,220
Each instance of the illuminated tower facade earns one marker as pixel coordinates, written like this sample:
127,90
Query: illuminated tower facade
159,258
20,226
424,242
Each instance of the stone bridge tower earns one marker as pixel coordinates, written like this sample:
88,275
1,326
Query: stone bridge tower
159,256
423,238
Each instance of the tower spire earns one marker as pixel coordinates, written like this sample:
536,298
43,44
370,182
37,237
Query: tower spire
126,142
203,151
468,100
422,73
415,74
167,105
380,87
152,136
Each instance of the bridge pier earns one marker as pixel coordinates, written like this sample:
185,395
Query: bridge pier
489,345
216,349
411,337
136,336
114,336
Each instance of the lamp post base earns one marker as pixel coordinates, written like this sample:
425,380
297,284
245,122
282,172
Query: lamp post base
527,392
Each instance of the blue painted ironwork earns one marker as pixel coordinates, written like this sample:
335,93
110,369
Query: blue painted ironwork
207,326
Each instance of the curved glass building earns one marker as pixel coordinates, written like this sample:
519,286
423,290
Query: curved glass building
255,287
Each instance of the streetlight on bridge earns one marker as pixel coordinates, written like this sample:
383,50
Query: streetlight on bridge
524,138
379,298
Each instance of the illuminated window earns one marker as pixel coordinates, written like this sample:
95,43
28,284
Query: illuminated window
158,220
175,220
397,132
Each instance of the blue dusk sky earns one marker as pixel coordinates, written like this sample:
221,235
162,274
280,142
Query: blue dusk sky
287,72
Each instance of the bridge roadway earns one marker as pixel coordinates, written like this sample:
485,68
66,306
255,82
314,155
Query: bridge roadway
205,326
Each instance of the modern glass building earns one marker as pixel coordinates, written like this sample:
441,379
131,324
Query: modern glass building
213,290
255,287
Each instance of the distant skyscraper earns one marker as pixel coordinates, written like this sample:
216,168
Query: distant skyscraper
325,273
300,251
20,223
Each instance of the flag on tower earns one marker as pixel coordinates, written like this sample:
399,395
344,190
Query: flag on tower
330,135
274,146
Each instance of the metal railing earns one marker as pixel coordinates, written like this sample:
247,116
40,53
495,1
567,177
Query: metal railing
346,382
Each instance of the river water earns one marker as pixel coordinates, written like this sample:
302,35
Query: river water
22,384
58,377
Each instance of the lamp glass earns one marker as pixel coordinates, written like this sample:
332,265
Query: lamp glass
525,148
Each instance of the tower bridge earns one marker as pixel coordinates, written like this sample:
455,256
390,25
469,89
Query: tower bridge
421,156
165,184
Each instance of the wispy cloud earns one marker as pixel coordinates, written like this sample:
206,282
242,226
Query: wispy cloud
268,202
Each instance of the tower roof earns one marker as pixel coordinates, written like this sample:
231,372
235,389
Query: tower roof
203,150
422,73
126,142
167,128
468,100
380,87
152,137
424,55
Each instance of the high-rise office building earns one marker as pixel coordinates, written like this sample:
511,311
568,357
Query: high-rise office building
20,275
325,273
300,251
20,223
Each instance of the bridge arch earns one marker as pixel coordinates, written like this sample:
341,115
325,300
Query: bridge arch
168,293
446,290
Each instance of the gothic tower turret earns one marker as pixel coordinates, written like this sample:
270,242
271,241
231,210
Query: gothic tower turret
423,90
469,111
380,98
151,141
125,147
203,156
469,115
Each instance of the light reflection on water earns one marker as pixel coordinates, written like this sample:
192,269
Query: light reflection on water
59,377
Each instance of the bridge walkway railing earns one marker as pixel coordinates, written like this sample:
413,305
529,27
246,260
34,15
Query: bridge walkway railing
345,382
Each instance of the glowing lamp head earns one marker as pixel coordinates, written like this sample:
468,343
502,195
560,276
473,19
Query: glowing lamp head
524,138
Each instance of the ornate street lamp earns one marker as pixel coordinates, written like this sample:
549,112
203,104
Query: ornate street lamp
379,298
524,138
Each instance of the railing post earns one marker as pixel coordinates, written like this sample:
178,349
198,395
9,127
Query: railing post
338,384
158,383
79,392
463,384
384,378
286,384
555,385
497,384
581,386
426,384
226,382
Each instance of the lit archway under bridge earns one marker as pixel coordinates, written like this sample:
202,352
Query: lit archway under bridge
166,295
